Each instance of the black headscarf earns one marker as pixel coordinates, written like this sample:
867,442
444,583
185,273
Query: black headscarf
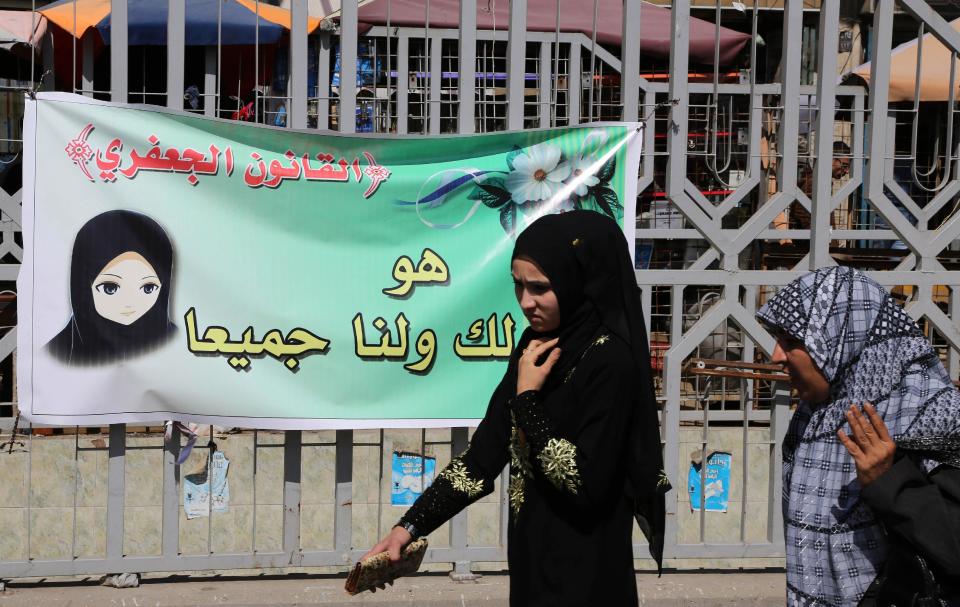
586,259
90,339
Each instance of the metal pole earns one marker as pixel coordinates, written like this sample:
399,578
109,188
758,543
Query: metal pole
388,125
176,39
468,66
516,63
171,502
434,46
779,418
348,66
574,85
555,85
458,526
297,109
670,419
822,202
118,51
403,83
630,61
677,134
116,487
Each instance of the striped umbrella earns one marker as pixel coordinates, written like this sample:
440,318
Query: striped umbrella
238,21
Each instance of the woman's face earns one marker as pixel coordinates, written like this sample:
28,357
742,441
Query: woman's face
126,288
805,377
535,296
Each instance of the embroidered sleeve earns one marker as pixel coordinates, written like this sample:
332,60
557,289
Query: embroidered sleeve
455,488
558,460
528,413
557,456
459,478
520,467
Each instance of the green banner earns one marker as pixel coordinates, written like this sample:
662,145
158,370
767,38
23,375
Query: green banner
178,267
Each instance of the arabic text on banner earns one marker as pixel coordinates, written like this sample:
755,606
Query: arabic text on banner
178,267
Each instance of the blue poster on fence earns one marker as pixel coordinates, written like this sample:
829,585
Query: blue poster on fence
208,490
717,493
412,473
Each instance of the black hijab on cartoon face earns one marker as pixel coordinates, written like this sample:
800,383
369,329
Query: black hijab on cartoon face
98,332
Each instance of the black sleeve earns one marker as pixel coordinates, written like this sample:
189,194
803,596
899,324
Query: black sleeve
923,510
469,476
583,467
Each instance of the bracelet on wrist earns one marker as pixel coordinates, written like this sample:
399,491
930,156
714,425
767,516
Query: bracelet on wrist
410,528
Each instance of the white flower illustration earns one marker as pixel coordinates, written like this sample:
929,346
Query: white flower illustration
537,174
580,174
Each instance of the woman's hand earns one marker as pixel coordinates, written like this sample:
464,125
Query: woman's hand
392,544
531,376
871,446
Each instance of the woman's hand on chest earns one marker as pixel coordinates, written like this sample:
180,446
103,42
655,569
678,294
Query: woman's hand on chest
535,363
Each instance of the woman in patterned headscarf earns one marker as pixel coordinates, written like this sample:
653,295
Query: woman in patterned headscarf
576,418
872,494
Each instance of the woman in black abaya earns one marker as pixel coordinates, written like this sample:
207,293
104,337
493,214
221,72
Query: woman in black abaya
120,274
575,417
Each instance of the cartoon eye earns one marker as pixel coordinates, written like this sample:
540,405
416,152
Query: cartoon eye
108,288
149,288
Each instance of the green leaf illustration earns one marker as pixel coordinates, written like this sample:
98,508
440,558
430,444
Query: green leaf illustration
605,174
492,193
607,201
508,219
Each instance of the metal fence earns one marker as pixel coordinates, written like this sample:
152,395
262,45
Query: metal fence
731,165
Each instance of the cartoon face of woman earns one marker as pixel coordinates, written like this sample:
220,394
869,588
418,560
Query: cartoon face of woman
126,288
121,278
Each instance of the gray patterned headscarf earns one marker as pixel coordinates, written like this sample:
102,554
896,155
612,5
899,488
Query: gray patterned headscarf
870,350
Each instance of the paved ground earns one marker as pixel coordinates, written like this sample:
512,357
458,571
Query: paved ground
432,590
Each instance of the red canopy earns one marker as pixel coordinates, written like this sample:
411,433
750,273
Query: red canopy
575,16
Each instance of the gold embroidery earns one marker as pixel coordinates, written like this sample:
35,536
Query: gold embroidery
597,342
520,466
663,481
515,492
559,463
519,451
460,479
